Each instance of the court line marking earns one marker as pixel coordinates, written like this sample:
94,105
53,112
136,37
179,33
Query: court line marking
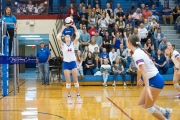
120,109
13,90
37,112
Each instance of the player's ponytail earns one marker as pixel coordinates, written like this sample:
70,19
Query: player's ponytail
134,39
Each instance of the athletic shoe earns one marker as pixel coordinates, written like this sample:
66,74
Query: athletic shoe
114,84
69,100
177,96
79,101
168,113
104,84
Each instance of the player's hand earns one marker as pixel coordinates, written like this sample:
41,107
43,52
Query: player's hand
140,82
73,25
149,93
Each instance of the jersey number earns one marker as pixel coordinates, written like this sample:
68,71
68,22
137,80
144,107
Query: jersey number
69,49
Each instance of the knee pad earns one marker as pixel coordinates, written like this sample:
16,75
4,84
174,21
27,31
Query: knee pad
142,106
151,109
176,85
76,84
68,85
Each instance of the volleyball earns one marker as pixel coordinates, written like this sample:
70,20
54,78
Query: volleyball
69,21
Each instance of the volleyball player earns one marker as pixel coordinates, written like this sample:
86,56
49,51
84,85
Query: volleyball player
175,57
154,82
69,59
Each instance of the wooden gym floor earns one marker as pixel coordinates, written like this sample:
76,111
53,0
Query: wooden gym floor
42,102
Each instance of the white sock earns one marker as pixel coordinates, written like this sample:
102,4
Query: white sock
124,83
162,110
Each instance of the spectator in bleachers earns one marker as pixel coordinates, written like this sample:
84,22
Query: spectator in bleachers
158,37
178,24
103,31
80,30
30,8
135,32
97,2
154,12
96,55
105,70
98,10
146,12
24,9
103,21
72,12
132,70
121,23
108,8
128,31
132,9
92,45
116,29
136,16
116,10
149,47
140,21
89,64
98,39
104,55
111,22
143,33
107,41
85,2
92,20
84,39
118,69
176,12
148,27
79,11
120,14
79,60
160,62
89,10
112,56
167,14
163,44
92,30
85,52
130,21
120,51
83,21
118,40
151,17
84,13
142,7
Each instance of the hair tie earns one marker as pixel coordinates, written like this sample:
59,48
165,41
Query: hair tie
138,43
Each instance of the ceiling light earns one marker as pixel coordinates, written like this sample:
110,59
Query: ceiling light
33,38
30,36
30,45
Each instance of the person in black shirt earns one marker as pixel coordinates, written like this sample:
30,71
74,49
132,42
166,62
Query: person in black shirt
83,21
89,63
107,41
115,30
103,31
120,14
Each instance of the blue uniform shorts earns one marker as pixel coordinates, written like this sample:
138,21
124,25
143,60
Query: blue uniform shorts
69,65
157,81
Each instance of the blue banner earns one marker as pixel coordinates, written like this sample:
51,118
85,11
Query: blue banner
17,60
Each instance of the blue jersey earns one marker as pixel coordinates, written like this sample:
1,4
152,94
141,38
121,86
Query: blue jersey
9,19
68,31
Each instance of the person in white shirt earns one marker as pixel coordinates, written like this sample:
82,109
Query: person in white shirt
69,59
108,8
175,57
36,9
30,7
143,33
92,45
116,10
112,55
153,81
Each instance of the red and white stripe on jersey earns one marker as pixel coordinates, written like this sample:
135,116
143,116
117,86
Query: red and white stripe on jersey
140,61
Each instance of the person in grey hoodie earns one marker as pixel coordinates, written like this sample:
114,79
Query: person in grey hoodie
163,44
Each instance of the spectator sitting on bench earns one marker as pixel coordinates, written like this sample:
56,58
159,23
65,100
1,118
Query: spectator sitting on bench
160,62
118,69
105,70
167,14
104,55
89,63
